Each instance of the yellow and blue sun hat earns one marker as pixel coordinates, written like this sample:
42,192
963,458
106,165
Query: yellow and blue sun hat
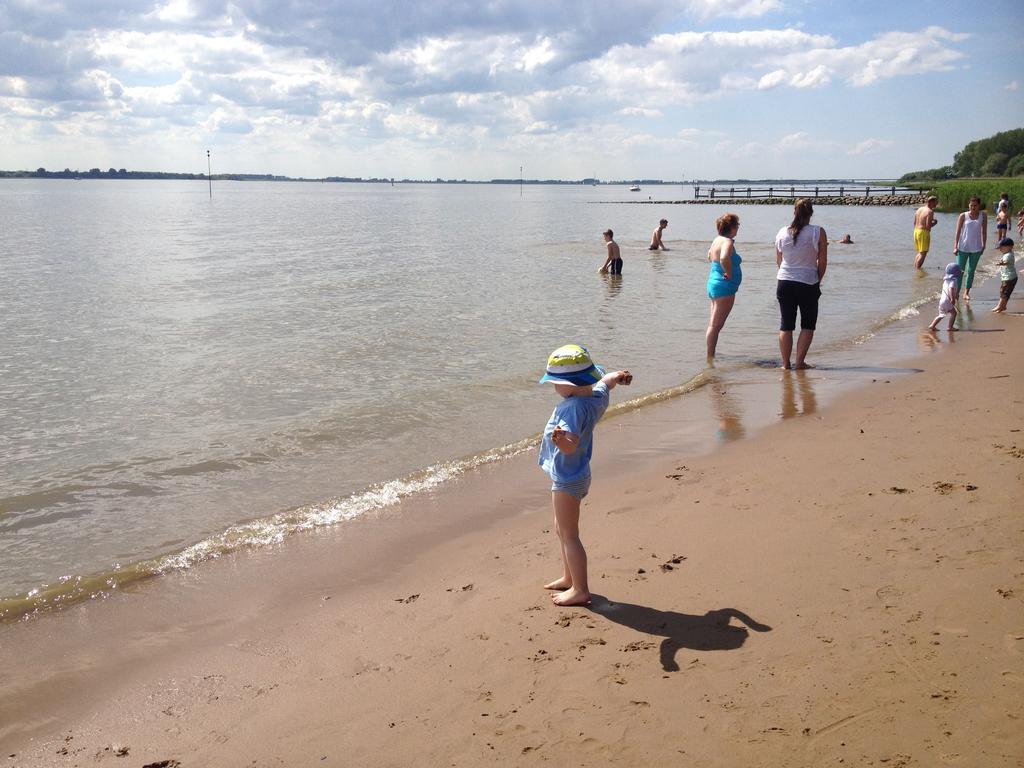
571,364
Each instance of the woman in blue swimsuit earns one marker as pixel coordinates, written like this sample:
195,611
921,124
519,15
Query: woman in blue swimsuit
724,279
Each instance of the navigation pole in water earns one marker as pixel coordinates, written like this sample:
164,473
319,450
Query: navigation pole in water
209,178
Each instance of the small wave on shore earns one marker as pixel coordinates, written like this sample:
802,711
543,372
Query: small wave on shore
277,528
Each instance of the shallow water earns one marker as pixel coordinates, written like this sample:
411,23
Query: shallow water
181,375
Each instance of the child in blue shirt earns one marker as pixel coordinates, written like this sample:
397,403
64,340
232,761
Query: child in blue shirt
565,452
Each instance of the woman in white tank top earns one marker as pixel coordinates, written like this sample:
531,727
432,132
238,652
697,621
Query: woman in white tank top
970,240
801,252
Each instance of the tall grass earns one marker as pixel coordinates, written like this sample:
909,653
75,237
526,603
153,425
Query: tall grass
954,195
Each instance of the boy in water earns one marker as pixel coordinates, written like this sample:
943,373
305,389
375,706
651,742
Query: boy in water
1002,219
924,220
613,262
1007,273
656,241
565,452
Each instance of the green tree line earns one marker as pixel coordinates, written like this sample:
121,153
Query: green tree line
998,155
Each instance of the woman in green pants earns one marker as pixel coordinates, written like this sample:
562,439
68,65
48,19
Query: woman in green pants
970,240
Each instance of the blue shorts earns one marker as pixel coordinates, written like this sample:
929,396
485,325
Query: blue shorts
577,489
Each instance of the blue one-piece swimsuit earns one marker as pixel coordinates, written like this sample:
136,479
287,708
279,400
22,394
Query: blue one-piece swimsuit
718,286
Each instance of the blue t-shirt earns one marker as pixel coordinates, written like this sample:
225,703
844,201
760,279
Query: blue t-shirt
578,415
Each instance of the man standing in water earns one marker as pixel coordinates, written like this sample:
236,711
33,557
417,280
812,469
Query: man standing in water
656,237
924,220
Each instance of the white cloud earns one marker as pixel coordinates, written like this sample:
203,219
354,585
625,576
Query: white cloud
798,141
639,112
870,147
574,77
690,66
707,9
773,79
816,78
1013,85
731,150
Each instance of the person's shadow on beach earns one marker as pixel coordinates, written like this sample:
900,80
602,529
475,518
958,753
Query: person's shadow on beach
708,632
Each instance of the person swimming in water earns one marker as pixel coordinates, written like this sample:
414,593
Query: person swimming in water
656,241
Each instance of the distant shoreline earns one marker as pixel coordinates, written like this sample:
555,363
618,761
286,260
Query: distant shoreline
126,175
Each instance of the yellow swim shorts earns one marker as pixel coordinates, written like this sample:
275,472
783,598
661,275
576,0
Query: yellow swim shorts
922,240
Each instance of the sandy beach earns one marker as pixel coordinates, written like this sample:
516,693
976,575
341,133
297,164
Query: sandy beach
843,587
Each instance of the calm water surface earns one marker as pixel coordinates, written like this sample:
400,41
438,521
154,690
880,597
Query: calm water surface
292,354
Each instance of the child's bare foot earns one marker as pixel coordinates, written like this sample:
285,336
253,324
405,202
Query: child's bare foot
804,367
571,596
560,584
785,367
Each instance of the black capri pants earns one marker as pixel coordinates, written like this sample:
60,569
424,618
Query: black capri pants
793,295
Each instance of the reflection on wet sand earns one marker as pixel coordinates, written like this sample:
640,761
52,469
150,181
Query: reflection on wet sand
730,424
798,396
929,340
965,317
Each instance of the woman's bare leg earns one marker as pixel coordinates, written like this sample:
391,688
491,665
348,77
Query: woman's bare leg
803,343
786,347
720,309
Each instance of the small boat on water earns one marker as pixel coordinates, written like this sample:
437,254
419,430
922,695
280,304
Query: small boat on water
635,188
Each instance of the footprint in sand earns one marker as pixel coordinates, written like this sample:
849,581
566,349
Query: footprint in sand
890,595
672,562
639,645
1013,450
1014,642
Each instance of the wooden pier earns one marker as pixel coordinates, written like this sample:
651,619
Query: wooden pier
794,192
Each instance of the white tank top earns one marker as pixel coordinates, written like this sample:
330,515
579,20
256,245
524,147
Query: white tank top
799,259
970,235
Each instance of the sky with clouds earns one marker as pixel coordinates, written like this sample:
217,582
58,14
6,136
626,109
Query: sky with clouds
477,88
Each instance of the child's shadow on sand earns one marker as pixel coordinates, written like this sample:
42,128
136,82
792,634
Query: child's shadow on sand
709,632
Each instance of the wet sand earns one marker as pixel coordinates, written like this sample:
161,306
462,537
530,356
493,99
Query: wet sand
843,586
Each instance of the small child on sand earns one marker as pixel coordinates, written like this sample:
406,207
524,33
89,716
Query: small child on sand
1007,273
565,452
950,296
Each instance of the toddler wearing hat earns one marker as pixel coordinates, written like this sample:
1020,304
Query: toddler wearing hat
1007,273
565,452
949,296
